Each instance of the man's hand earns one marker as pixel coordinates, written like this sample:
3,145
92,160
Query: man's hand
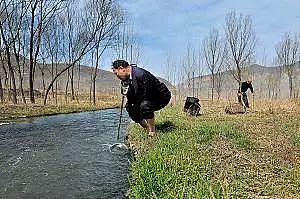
124,87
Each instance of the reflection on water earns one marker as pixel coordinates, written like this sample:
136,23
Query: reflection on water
64,156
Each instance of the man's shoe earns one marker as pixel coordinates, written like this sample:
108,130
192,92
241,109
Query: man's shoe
144,124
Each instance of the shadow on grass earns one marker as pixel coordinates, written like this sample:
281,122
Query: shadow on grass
165,126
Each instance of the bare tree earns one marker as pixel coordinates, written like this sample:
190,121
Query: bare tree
214,52
110,21
16,26
51,48
273,83
170,69
6,76
92,57
1,91
189,64
88,29
168,66
219,83
41,13
1,86
125,44
68,37
78,82
241,40
7,13
200,69
287,51
55,46
71,22
43,67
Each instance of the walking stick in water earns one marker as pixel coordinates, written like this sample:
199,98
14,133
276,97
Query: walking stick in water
124,90
120,119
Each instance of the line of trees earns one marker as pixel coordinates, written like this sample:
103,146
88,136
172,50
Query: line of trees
58,33
288,57
232,51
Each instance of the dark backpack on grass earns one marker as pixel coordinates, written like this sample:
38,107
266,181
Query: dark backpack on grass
192,106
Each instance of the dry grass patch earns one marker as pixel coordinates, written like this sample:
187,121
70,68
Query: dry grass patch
12,111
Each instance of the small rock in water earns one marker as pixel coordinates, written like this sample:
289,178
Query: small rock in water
3,123
119,146
116,147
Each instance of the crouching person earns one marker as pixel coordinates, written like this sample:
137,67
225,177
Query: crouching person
144,92
242,94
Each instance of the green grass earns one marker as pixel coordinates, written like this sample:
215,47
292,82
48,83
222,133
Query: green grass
209,156
296,140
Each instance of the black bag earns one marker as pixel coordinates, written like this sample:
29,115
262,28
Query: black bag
192,106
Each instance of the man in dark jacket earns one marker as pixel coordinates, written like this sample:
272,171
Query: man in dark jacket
243,92
145,93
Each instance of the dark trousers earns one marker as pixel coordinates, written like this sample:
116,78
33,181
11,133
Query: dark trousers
245,99
145,110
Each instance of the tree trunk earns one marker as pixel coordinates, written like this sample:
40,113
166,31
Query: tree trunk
212,87
78,83
31,64
291,86
239,78
56,85
52,76
219,85
91,88
5,74
94,87
17,56
21,88
43,82
10,69
72,83
193,84
32,54
12,78
1,91
67,85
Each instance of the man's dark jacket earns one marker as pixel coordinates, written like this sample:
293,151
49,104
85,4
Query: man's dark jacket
245,86
146,87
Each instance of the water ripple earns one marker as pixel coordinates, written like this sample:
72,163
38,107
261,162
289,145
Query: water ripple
64,156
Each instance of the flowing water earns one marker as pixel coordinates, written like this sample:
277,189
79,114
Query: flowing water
64,156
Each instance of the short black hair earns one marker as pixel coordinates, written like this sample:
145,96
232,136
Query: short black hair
118,63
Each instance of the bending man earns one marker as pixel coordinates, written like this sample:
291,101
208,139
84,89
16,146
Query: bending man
243,91
145,93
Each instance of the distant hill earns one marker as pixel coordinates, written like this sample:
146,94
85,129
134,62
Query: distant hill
267,82
106,81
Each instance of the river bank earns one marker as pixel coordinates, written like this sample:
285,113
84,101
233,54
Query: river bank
255,155
11,111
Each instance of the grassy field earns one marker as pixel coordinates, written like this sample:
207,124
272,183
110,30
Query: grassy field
10,111
254,155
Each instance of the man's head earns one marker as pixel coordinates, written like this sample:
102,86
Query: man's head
121,69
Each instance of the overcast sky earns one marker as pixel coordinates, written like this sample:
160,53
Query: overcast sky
168,25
